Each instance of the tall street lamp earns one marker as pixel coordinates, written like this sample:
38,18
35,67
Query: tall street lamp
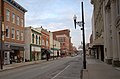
1,33
81,23
1,51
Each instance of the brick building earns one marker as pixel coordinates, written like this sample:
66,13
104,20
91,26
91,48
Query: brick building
45,41
63,36
13,26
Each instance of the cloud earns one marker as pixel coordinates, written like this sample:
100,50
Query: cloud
57,15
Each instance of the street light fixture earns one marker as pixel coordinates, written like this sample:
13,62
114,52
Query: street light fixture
81,23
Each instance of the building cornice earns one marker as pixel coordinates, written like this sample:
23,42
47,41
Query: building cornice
35,31
16,5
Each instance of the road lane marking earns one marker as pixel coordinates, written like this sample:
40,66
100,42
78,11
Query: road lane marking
60,72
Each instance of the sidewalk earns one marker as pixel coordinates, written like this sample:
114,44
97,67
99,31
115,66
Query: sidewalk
97,69
16,65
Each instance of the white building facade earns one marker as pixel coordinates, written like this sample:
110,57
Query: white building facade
98,29
110,12
112,29
32,44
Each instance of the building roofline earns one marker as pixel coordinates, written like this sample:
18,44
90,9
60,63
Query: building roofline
15,4
33,29
62,30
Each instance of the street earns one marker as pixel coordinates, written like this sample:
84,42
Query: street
62,68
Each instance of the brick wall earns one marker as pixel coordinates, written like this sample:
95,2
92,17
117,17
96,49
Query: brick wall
19,13
67,42
45,36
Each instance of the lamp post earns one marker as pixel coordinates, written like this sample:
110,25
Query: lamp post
1,52
81,23
1,33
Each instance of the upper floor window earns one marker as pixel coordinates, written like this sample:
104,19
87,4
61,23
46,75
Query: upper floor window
61,39
18,35
32,38
13,33
61,44
7,32
36,39
118,6
13,18
43,42
7,15
46,42
22,37
22,23
39,40
18,20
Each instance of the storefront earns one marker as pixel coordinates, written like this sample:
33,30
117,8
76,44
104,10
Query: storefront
44,53
56,52
6,57
17,54
35,52
97,51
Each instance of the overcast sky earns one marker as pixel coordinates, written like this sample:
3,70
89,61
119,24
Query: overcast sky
58,15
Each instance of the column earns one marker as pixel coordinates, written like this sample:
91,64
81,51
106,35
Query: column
107,36
114,33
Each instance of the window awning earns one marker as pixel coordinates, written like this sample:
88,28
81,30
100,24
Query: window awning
49,51
55,49
43,49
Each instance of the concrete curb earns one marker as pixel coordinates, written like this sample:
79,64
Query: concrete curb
117,68
10,68
25,64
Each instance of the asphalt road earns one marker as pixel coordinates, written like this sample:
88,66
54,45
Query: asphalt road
62,68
